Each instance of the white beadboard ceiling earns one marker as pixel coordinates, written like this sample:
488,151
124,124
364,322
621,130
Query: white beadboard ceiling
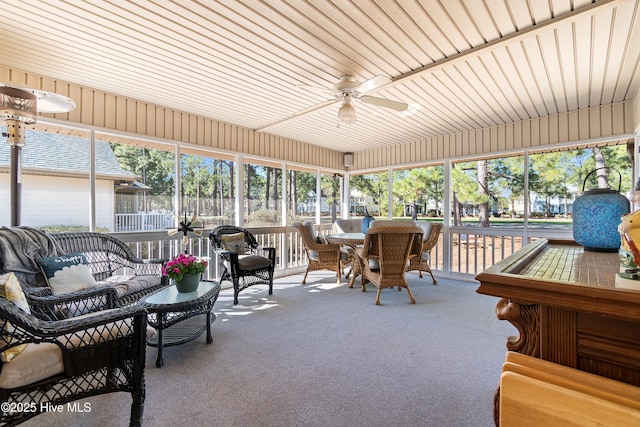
460,64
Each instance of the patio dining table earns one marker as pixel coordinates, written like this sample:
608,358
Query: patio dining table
352,240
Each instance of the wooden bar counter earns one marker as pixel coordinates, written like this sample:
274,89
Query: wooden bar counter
566,306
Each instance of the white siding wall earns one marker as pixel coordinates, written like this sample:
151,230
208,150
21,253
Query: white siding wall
49,200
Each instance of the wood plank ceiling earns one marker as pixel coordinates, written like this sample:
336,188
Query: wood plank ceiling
459,64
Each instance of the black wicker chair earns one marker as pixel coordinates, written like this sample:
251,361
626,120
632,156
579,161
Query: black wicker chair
247,269
100,353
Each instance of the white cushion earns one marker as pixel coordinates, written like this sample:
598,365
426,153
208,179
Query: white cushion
36,362
39,361
126,285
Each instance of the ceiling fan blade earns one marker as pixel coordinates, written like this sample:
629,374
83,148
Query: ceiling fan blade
299,114
386,103
373,83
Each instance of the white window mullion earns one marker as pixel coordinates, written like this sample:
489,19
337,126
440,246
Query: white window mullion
92,183
239,184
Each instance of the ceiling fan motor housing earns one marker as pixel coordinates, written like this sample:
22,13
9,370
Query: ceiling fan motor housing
345,85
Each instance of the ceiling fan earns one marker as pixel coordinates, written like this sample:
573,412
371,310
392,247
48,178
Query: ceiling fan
346,90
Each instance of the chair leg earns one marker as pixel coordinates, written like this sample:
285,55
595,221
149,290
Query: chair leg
236,291
378,297
420,274
339,280
304,279
413,300
137,408
435,282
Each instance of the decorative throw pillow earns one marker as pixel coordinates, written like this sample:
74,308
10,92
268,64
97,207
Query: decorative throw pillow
10,289
233,242
67,273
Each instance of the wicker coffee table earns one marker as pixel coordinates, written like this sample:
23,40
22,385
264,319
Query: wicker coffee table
180,317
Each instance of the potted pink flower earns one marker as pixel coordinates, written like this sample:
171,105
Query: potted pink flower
186,271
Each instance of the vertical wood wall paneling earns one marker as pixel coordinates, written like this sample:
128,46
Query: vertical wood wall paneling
167,123
574,126
141,117
606,120
563,127
544,131
120,113
98,107
594,126
110,120
184,126
583,124
501,136
150,114
628,123
517,135
460,139
534,132
131,109
553,129
526,133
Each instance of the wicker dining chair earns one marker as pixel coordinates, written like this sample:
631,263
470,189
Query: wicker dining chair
321,255
431,236
385,254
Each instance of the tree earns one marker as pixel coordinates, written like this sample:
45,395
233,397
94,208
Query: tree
155,168
508,178
550,175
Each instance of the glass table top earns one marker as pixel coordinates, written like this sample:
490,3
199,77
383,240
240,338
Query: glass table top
170,294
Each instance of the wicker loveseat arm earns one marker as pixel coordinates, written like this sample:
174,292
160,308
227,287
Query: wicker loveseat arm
64,306
93,354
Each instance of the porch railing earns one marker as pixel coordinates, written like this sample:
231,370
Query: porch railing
461,253
144,221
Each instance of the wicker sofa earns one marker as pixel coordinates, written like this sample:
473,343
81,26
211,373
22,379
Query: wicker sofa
110,261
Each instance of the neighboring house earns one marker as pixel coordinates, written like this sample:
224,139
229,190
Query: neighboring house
309,205
55,181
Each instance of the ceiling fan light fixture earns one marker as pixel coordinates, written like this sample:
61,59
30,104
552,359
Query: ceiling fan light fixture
346,113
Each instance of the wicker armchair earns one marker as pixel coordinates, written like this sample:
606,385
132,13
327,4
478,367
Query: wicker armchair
71,359
320,256
385,254
242,266
431,236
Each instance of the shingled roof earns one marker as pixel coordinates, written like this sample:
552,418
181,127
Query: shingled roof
55,153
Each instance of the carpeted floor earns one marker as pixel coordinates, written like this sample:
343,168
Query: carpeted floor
322,354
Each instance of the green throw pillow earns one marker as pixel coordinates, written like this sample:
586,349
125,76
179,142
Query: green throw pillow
67,273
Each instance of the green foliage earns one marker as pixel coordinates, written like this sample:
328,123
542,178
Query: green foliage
264,217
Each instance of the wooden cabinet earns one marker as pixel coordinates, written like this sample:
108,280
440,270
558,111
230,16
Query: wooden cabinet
567,308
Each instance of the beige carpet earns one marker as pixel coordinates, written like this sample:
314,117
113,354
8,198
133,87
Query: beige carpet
322,354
